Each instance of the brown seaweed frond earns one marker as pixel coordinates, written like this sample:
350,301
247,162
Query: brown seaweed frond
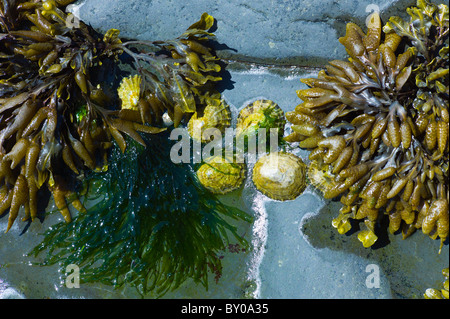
378,124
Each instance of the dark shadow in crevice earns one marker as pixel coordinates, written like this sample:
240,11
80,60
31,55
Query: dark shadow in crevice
381,229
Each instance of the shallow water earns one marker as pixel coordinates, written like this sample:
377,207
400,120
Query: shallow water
296,253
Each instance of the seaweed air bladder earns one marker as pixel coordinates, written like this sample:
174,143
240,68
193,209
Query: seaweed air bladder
58,120
377,125
65,131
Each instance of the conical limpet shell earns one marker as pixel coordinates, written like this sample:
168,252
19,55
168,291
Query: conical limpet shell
280,175
260,114
221,175
216,115
321,177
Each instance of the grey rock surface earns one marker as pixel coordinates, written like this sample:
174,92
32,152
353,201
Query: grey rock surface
304,256
276,31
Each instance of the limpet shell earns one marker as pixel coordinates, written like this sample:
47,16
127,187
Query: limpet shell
260,114
217,114
321,177
280,175
221,175
129,92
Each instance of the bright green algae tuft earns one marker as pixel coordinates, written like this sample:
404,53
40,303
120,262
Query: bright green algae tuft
154,227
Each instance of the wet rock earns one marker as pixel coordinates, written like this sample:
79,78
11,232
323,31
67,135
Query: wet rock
276,31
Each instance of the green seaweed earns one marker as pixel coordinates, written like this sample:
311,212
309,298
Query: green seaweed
154,227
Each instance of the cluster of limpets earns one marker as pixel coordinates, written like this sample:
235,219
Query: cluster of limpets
278,175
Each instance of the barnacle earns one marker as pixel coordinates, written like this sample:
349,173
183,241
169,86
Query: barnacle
377,125
216,116
432,293
280,175
221,175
